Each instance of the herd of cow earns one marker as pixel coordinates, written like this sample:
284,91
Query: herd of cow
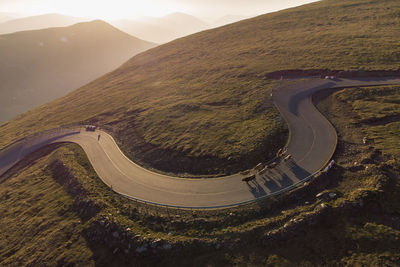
260,169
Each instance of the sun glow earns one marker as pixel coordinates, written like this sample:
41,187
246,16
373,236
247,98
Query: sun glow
103,9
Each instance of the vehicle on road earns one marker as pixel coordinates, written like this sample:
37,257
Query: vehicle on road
90,128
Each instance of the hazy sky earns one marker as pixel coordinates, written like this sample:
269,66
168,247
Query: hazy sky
114,9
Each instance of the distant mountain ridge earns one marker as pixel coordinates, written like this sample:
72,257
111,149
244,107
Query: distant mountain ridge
38,22
41,65
6,16
164,29
153,29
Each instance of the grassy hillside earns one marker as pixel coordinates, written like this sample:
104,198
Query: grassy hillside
38,224
203,100
379,109
57,211
39,66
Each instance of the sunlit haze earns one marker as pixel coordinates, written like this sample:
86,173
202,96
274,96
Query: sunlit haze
120,9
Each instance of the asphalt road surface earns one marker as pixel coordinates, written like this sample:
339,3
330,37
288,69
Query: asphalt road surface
311,143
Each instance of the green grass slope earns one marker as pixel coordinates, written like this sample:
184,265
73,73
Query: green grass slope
203,100
39,66
38,223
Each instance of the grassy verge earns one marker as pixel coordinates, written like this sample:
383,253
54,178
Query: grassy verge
38,225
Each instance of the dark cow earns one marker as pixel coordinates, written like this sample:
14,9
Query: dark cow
287,157
272,165
249,178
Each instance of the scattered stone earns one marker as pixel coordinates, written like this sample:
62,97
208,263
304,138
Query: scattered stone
167,246
326,195
365,140
367,161
115,234
115,250
141,249
155,243
69,244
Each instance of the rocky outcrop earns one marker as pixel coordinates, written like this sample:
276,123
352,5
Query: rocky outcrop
83,205
297,226
123,240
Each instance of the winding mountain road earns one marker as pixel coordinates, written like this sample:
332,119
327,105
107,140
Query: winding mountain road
311,143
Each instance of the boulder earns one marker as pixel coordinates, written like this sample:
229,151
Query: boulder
367,161
332,195
167,246
326,195
141,249
115,234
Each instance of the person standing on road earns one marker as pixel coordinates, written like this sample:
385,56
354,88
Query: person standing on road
98,137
